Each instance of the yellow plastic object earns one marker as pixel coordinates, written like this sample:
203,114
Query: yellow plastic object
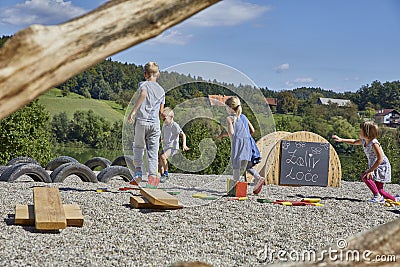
199,195
311,200
238,198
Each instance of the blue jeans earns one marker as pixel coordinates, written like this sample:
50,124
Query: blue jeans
147,135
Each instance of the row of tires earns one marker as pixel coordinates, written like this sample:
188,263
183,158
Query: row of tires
64,166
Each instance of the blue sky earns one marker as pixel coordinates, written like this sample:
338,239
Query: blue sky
338,45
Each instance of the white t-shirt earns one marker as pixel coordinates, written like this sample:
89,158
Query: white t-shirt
171,135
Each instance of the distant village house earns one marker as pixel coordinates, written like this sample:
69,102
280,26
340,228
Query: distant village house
388,117
219,100
339,102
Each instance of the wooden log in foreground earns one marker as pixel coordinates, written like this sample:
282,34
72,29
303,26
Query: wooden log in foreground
377,247
40,57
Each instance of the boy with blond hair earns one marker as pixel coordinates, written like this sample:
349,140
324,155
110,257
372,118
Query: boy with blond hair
170,141
145,115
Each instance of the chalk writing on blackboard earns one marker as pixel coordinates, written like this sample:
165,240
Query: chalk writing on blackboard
304,163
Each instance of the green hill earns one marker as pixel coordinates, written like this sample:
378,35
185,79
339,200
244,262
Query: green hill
55,103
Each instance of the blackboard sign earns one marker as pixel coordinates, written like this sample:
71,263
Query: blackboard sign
304,163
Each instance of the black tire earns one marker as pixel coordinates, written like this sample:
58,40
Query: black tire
98,162
22,160
71,168
2,170
53,164
35,171
107,173
122,161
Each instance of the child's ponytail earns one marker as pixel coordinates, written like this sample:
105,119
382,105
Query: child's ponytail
234,103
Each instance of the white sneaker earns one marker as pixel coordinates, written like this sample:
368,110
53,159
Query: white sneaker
377,199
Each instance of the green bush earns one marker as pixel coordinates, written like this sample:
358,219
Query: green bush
26,133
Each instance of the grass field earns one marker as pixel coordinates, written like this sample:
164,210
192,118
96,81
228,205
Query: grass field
55,103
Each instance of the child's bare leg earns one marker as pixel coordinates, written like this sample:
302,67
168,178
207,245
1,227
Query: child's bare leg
160,166
164,162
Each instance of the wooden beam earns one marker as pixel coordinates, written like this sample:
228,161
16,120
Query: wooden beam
41,57
159,197
25,215
49,210
140,202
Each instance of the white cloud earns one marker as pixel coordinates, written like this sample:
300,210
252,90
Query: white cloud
172,37
40,12
282,67
300,81
352,79
228,13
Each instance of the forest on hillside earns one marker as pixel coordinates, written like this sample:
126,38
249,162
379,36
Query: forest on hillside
297,110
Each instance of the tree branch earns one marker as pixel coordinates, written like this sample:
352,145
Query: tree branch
41,57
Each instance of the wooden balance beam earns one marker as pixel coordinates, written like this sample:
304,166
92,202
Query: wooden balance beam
155,199
48,212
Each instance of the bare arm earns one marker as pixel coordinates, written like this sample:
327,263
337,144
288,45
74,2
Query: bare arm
347,141
185,148
161,109
251,127
140,100
229,121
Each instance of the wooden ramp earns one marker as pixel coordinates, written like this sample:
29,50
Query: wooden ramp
155,199
48,211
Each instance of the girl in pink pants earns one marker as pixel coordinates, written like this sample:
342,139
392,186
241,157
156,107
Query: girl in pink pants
379,170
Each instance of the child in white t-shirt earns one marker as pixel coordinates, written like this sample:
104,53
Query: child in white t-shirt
170,141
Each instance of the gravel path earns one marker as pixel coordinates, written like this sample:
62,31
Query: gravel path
219,232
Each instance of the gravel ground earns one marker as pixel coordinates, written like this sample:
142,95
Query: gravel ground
219,232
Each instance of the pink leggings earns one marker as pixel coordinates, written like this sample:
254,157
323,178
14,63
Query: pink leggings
376,187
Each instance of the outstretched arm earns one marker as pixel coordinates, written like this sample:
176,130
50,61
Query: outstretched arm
347,141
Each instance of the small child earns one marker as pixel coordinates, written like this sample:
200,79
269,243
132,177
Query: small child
379,170
170,141
244,152
147,109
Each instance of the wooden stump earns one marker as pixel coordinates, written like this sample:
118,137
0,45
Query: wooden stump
266,145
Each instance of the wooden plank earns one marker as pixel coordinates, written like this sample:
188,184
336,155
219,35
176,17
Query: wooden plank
140,202
159,197
73,214
25,215
49,210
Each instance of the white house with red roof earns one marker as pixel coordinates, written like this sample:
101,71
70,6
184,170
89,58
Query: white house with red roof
389,117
